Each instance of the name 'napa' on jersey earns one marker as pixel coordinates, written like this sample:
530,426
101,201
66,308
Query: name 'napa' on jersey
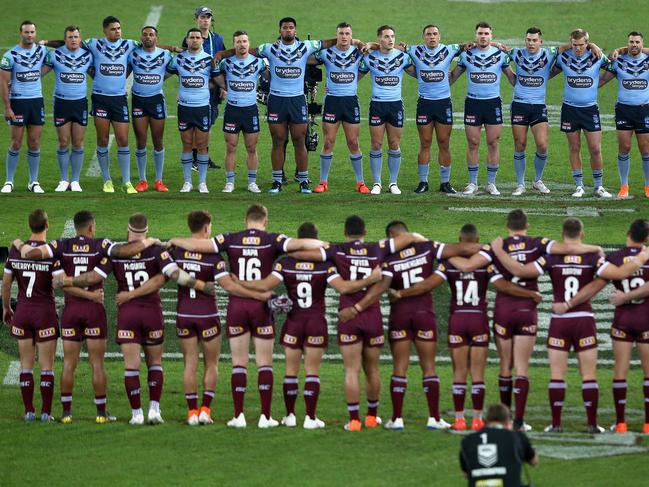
632,78
111,62
25,67
149,70
194,71
342,70
532,74
71,72
432,67
288,65
386,71
241,75
483,70
581,77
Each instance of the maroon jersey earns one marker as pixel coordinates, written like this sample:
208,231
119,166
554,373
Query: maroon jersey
468,289
306,283
207,268
34,277
354,261
131,273
251,253
570,273
408,267
640,307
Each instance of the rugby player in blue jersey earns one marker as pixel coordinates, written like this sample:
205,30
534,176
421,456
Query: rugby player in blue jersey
21,69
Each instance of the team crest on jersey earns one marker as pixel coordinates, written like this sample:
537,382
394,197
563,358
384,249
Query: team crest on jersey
319,340
572,259
125,334
425,334
112,53
407,252
32,60
556,342
380,340
251,240
68,332
210,332
398,334
345,338
482,61
632,67
156,334
287,56
47,332
579,65
340,61
588,341
146,63
431,58
531,65
386,65
305,266
240,70
92,332
19,332
264,330
193,65
488,454
290,339
71,62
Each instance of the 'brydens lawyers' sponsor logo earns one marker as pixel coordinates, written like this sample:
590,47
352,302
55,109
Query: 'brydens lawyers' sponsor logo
482,78
387,80
580,81
241,85
112,69
147,79
431,76
28,76
634,84
342,77
72,77
192,82
531,81
288,72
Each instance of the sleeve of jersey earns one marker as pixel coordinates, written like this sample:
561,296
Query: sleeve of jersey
332,273
7,62
487,253
8,267
363,67
262,50
328,253
386,270
54,249
171,67
56,269
461,62
277,271
601,264
107,247
541,265
219,243
604,62
505,60
546,245
166,263
48,58
104,268
219,270
437,249
281,243
612,67
313,46
441,271
493,274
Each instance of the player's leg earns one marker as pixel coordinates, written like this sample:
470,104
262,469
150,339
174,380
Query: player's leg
120,129
394,156
371,357
189,348
352,360
329,132
131,353
472,156
157,137
201,143
76,159
290,387
102,128
27,354
520,144
264,362
643,353
399,381
34,133
622,354
460,361
46,351
423,156
492,133
298,138
96,352
155,379
63,135
187,157
377,133
312,360
557,388
252,160
279,136
140,129
231,142
540,132
352,136
589,390
211,353
505,347
523,346
443,135
239,347
71,351
594,141
574,156
643,146
478,362
427,351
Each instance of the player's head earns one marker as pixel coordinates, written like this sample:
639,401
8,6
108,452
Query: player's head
579,41
343,35
573,229
517,220
533,39
112,28
394,228
469,233
27,32
307,230
138,226
483,34
431,35
194,39
386,36
200,222
149,36
72,37
84,223
639,231
38,222
499,414
203,17
257,215
241,42
354,226
635,43
287,29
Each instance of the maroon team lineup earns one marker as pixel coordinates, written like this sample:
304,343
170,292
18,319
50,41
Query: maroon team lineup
249,265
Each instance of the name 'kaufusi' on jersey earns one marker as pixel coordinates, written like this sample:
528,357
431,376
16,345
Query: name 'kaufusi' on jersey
483,71
288,65
241,75
632,78
433,66
532,74
149,69
194,71
581,77
25,68
111,63
342,69
386,71
71,72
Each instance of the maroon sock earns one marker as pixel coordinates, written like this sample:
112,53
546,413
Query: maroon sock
290,388
590,395
207,398
459,391
311,393
27,389
265,385
556,395
192,400
478,391
619,398
521,388
100,404
155,379
431,391
47,390
398,385
372,407
66,403
645,390
352,409
238,383
132,385
505,388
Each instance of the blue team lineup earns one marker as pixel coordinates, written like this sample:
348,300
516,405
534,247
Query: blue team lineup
281,75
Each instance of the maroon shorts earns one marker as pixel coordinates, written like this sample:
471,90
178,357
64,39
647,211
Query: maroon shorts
305,330
137,323
578,332
468,329
249,315
418,325
83,320
37,322
367,327
205,328
631,325
510,322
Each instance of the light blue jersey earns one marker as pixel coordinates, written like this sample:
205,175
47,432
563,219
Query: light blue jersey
532,74
288,65
581,77
194,71
386,71
342,70
241,75
632,78
111,61
433,66
483,71
25,68
149,70
71,72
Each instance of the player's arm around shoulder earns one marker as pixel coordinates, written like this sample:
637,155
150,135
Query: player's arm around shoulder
350,287
607,270
151,286
584,295
259,290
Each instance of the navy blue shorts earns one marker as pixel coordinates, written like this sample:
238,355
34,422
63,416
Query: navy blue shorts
194,117
28,111
439,111
149,106
479,112
528,114
341,109
391,112
114,108
632,117
237,119
286,109
75,111
576,118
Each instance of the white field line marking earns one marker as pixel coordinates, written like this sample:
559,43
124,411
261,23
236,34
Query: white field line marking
518,1
13,374
579,211
94,171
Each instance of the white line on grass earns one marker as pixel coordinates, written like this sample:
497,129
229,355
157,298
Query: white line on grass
578,211
94,171
13,374
152,19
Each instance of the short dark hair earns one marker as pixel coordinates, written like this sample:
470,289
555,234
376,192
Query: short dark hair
572,227
639,231
70,28
396,226
380,30
26,22
469,230
635,33
285,20
517,220
196,220
428,27
307,230
354,226
138,222
238,33
150,27
498,413
256,212
193,29
534,30
344,25
83,219
110,20
483,25
38,221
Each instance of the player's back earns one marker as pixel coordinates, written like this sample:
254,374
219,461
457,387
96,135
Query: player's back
635,280
468,289
306,284
34,277
207,268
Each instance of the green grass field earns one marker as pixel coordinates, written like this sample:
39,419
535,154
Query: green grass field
175,454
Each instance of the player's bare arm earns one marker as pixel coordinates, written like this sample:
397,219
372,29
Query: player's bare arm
619,298
455,74
5,78
584,295
237,289
617,273
151,286
7,312
404,240
94,296
427,285
511,76
574,248
508,287
295,244
185,279
350,287
220,81
528,271
268,283
86,279
203,245
605,78
308,255
372,296
118,250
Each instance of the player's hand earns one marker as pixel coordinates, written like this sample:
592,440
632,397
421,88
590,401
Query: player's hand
97,296
643,256
497,243
560,308
8,315
42,42
264,295
150,242
393,295
537,297
469,45
17,243
419,237
596,51
614,54
121,298
224,94
10,116
617,298
347,314
235,278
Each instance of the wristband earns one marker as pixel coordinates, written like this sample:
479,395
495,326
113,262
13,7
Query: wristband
568,304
